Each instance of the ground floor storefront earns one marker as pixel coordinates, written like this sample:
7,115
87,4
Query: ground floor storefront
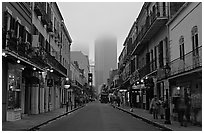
189,86
27,89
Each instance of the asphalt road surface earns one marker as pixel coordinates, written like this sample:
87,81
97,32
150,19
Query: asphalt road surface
98,117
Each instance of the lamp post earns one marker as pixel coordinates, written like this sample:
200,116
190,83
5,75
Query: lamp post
67,85
167,109
132,88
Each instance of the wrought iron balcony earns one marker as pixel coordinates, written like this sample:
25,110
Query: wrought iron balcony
148,68
190,61
24,49
49,27
38,8
12,44
45,19
153,23
38,56
55,64
17,46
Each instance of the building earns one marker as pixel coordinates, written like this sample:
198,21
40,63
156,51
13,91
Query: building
32,69
82,60
162,56
15,16
78,82
185,45
65,59
105,58
47,39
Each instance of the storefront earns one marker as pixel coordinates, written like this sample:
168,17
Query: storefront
16,89
189,86
138,96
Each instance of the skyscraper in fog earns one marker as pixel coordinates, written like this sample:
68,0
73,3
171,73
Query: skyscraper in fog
105,58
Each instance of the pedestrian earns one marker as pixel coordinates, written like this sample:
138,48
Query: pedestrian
161,108
188,108
154,105
182,108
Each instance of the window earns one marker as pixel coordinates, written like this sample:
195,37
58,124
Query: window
181,47
164,8
41,40
8,19
17,29
155,55
152,60
194,32
14,87
161,58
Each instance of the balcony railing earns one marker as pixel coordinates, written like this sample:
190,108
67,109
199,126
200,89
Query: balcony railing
148,68
55,64
190,61
17,46
38,56
38,8
49,27
153,23
45,19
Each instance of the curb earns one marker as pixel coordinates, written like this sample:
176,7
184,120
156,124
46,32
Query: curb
52,119
145,119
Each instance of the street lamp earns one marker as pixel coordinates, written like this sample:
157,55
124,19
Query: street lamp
133,87
67,85
167,109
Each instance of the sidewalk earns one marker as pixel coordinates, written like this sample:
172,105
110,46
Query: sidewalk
146,116
31,122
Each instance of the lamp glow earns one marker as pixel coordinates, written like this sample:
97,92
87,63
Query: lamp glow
4,54
66,86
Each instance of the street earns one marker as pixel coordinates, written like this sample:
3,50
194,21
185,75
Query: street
98,117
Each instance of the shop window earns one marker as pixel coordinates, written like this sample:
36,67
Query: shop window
14,87
161,58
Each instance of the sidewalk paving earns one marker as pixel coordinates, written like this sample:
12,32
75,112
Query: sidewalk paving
31,122
146,116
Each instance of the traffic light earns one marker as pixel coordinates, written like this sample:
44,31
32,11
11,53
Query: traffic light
90,77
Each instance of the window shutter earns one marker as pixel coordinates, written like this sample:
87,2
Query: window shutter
16,28
12,23
5,20
29,38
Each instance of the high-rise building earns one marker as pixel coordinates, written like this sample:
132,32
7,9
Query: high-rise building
105,58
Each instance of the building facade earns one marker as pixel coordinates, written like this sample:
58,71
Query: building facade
82,60
32,71
162,56
78,82
185,44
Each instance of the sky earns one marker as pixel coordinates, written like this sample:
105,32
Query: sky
86,21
